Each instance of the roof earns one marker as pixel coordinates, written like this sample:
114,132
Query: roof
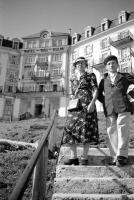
37,35
113,23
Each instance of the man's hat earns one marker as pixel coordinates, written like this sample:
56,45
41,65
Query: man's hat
111,57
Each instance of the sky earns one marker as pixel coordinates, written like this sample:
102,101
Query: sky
19,18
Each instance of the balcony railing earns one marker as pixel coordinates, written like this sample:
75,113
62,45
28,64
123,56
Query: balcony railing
122,39
37,77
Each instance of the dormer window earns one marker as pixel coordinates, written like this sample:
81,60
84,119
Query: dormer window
16,42
122,17
1,39
88,31
75,38
15,45
105,23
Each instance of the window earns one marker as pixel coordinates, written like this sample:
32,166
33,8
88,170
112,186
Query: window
42,58
41,87
1,40
15,45
55,88
105,43
74,55
123,34
89,50
54,43
29,45
64,41
124,53
56,70
105,24
88,31
45,43
59,42
30,59
104,27
74,39
35,44
13,59
10,89
57,57
90,64
122,17
25,45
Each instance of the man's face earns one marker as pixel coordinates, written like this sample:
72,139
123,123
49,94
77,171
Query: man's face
112,66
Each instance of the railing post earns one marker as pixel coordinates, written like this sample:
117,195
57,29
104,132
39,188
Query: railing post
40,175
52,136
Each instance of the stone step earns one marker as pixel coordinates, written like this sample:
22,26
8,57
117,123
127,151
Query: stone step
96,156
94,171
94,185
60,196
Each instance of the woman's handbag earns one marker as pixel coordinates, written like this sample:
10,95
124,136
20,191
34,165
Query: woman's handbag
74,105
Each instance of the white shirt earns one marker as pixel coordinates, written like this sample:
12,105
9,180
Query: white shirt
112,77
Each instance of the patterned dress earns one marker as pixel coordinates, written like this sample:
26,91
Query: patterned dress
81,126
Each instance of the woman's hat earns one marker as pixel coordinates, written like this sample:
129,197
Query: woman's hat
80,59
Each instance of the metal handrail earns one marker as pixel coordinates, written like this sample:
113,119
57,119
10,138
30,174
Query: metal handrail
36,159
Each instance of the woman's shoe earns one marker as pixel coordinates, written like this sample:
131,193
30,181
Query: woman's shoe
112,161
83,161
71,161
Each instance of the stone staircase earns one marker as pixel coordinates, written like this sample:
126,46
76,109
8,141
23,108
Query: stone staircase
97,181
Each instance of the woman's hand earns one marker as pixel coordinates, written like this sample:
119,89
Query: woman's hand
90,107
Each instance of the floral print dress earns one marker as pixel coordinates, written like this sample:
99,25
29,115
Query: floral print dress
81,126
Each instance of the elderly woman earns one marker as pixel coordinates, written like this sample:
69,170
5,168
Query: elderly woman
82,125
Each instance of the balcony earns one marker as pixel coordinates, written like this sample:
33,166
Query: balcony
41,78
122,39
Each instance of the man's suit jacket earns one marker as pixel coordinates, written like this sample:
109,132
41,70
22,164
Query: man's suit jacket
114,96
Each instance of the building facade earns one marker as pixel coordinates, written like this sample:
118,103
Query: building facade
9,75
44,69
112,37
35,78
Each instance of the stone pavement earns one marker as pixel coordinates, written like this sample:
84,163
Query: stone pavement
97,181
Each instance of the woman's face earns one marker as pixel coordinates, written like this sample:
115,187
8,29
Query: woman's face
80,66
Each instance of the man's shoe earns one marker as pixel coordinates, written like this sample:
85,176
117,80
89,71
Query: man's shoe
121,161
73,161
